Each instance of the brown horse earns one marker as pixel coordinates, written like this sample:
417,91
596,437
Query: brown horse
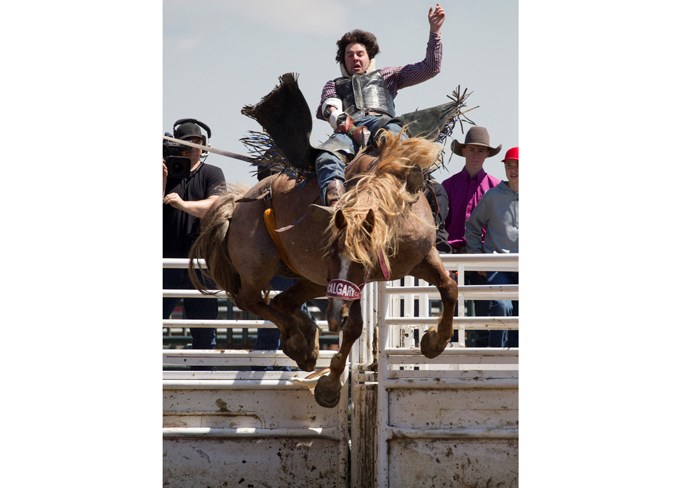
383,229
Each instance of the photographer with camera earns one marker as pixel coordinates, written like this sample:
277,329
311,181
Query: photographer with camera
189,188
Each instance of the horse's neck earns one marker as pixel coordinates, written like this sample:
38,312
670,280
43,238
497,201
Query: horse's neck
362,163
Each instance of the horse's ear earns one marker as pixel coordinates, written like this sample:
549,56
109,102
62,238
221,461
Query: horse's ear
415,181
340,219
320,213
369,221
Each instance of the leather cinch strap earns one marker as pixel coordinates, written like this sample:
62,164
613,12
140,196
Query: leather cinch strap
269,219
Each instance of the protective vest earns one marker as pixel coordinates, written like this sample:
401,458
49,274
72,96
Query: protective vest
365,93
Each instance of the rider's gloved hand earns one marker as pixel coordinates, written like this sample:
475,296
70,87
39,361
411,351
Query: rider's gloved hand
345,124
360,135
341,121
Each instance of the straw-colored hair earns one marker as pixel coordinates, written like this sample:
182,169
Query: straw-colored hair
384,190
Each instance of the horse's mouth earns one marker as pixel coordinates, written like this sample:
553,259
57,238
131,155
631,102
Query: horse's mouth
334,323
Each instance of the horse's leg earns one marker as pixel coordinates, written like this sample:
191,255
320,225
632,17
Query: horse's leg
303,333
296,346
292,325
255,260
328,388
432,270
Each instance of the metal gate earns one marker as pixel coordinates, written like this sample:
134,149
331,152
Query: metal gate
450,421
445,422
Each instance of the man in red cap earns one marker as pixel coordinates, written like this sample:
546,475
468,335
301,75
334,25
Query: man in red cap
497,216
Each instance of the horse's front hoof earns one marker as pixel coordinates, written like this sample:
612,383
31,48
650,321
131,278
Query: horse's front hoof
431,345
327,393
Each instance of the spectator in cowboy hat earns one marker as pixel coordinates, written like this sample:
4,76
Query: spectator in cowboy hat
465,189
497,218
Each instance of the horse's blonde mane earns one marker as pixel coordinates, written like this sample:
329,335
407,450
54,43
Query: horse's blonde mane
383,190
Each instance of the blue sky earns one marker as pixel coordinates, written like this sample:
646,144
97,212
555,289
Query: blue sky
221,55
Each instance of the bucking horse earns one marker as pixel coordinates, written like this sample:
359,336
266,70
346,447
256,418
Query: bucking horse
382,229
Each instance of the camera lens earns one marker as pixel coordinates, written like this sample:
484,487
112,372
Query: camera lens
178,167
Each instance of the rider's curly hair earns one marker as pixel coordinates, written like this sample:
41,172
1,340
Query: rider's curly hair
363,37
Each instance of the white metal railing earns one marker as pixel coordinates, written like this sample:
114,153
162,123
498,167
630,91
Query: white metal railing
233,357
415,299
418,297
417,302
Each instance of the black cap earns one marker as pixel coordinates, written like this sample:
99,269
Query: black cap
188,130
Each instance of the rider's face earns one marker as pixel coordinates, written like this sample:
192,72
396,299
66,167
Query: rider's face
356,59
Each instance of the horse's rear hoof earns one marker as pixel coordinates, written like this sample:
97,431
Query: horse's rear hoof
431,346
327,393
306,365
309,363
305,358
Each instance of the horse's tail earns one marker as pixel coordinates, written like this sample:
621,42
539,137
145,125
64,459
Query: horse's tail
211,244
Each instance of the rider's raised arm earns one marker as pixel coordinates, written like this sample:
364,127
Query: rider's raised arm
415,73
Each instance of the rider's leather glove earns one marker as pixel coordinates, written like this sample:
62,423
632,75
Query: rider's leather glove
346,125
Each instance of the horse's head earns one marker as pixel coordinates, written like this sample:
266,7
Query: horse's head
364,233
346,275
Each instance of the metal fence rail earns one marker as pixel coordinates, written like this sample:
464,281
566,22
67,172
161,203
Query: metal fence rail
234,329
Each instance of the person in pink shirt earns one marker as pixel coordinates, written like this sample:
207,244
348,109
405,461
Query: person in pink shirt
465,189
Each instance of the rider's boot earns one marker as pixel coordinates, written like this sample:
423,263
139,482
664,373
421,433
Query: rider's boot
335,190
